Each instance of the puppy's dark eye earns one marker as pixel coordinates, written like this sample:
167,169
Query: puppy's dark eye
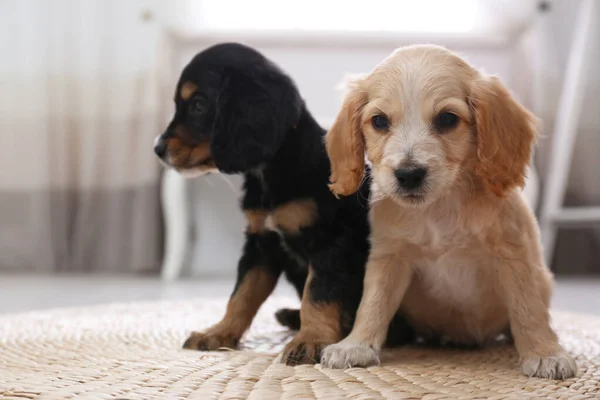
446,120
380,122
197,107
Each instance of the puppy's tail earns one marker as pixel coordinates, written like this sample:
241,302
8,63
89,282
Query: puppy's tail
289,318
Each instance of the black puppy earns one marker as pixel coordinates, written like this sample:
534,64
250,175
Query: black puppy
238,113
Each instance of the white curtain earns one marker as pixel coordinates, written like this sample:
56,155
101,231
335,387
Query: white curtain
80,103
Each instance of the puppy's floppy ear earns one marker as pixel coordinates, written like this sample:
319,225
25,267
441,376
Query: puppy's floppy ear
345,142
505,134
255,111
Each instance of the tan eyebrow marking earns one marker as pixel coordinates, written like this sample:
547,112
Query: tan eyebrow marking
187,90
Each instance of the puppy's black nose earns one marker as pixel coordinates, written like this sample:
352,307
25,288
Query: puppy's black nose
160,149
411,178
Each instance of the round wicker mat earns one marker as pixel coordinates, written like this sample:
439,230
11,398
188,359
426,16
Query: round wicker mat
132,351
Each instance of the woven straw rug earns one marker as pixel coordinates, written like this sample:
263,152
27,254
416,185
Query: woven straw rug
132,351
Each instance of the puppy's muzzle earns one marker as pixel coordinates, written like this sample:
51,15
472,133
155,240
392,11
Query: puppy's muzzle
410,178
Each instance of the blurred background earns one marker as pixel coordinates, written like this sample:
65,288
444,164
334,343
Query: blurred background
87,214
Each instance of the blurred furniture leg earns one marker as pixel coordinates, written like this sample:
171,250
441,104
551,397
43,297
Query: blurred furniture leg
177,226
552,213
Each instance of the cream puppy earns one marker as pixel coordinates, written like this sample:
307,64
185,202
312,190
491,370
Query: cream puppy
455,248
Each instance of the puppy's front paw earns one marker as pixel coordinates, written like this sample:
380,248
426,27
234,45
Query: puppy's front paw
207,341
345,355
557,366
301,351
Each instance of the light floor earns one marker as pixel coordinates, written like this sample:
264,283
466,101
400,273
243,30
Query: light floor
33,292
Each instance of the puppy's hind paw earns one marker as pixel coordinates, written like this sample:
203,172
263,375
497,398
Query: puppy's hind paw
346,355
559,366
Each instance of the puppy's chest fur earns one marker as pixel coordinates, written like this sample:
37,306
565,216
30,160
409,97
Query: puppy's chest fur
448,270
454,295
449,280
453,291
